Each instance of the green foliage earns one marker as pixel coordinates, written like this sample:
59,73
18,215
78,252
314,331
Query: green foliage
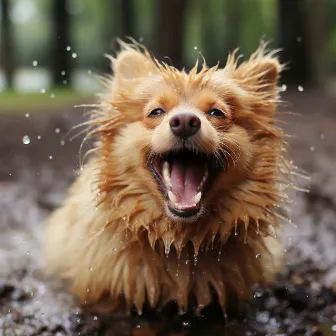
15,102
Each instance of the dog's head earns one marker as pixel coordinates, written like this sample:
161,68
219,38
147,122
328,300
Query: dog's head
193,137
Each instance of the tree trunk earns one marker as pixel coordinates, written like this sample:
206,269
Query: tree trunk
171,18
7,52
61,57
127,18
234,22
316,25
293,41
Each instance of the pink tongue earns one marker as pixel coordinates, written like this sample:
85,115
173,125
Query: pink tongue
186,176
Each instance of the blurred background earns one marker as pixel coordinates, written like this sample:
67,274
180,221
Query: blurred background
59,44
51,54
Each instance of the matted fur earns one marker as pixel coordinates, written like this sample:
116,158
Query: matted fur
112,239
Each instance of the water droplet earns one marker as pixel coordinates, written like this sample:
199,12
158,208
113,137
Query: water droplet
57,130
62,142
63,73
95,318
187,262
185,324
52,95
322,136
283,87
35,63
258,256
113,249
74,55
195,48
312,148
43,91
65,81
300,88
257,295
27,115
90,268
87,290
50,157
78,320
26,140
28,253
68,48
38,137
9,311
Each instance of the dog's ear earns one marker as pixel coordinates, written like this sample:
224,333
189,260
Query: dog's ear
131,63
259,74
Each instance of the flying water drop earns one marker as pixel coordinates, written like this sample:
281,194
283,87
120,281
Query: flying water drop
26,140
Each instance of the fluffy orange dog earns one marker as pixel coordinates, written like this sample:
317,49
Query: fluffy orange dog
181,198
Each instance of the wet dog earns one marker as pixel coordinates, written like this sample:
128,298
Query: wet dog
182,194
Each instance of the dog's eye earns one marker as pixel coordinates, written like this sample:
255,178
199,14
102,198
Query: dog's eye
156,112
216,113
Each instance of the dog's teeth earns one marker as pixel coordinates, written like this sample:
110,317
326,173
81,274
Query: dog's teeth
165,173
197,198
172,197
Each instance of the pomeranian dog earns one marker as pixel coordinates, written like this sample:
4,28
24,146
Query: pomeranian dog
183,193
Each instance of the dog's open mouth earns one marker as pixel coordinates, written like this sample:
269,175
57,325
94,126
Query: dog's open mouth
184,178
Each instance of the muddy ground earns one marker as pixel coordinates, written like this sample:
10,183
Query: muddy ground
33,181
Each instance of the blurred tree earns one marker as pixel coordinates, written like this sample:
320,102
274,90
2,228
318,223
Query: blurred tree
316,19
118,22
127,18
210,48
7,53
293,40
171,20
61,57
234,23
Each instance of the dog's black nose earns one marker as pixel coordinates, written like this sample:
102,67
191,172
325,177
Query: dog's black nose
185,124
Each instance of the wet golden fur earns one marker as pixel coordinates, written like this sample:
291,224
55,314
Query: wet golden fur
112,240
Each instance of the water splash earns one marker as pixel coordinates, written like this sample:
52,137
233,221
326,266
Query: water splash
26,140
283,88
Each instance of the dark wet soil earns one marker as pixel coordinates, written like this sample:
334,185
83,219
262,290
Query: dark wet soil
33,181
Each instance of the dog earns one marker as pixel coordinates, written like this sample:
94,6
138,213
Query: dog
183,194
